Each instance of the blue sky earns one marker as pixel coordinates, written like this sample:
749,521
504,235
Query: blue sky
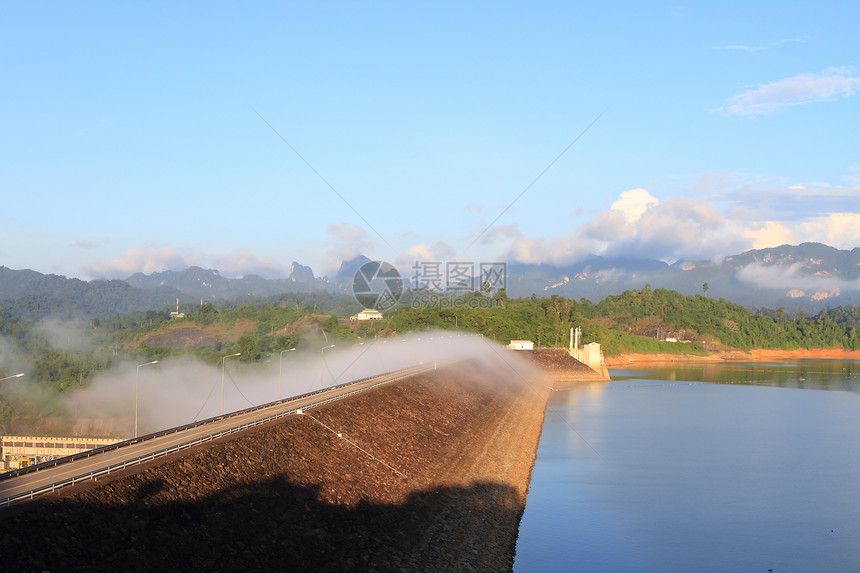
138,138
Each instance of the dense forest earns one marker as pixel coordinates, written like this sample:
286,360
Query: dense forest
725,324
639,321
63,355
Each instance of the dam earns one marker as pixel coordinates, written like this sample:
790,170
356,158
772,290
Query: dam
427,473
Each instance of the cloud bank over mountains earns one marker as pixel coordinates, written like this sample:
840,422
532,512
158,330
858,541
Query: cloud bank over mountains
704,226
820,286
720,214
147,261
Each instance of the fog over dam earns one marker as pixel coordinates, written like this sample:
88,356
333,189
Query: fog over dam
429,473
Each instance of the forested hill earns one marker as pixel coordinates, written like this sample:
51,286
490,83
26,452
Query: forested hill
665,313
638,321
29,295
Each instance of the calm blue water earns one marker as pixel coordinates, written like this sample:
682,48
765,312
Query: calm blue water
734,467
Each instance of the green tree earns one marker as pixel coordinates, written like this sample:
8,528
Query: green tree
248,348
206,314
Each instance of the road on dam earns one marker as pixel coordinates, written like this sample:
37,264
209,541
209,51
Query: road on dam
51,476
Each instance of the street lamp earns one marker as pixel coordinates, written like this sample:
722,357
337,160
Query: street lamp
281,371
223,368
322,354
136,386
12,376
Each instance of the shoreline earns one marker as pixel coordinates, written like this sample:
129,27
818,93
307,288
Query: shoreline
755,355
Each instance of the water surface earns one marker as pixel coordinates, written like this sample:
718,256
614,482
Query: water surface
718,467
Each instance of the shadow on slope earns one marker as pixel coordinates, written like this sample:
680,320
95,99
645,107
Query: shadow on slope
268,525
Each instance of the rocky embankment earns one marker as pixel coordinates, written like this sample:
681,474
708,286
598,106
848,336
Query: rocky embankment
428,474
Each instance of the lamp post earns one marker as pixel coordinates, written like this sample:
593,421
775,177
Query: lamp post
281,371
322,355
223,368
12,376
136,386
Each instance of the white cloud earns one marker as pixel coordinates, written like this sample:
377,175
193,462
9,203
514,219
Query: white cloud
353,243
607,227
760,201
439,252
130,262
634,203
769,234
243,262
640,225
758,48
501,232
345,232
728,216
795,282
713,180
556,250
828,85
840,230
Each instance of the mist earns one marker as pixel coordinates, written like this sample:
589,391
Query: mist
182,390
35,407
792,277
10,357
67,335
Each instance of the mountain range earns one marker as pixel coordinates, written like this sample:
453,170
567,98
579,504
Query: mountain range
209,285
807,277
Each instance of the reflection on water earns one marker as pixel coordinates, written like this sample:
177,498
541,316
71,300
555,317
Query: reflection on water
660,471
808,374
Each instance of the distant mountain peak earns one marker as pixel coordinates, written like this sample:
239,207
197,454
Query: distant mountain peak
301,273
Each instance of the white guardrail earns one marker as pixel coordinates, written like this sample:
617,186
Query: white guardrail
86,476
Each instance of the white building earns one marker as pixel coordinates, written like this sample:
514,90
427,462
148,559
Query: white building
367,314
521,345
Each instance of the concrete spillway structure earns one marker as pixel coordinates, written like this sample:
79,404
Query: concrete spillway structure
564,369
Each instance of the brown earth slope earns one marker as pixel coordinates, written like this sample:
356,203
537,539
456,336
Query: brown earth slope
440,485
182,336
561,366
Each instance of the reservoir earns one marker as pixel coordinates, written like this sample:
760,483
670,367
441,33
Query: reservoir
702,467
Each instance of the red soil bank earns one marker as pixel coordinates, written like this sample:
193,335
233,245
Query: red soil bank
759,355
